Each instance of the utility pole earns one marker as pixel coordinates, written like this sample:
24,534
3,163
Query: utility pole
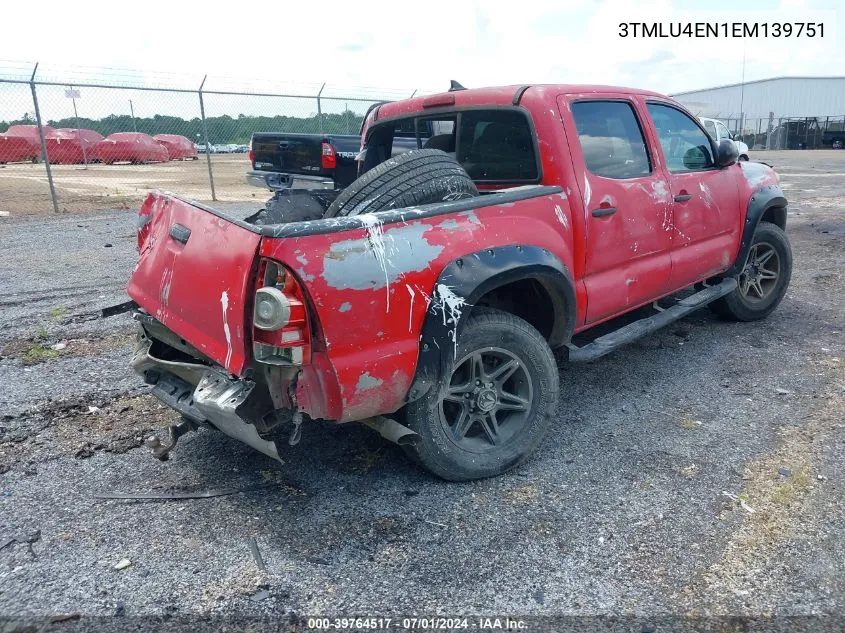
742,91
76,122
132,110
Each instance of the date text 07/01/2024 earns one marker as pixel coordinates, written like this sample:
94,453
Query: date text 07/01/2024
416,623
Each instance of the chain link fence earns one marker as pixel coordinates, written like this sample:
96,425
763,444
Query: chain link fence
812,132
88,145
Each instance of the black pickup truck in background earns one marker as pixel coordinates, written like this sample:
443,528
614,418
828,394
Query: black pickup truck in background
277,157
280,158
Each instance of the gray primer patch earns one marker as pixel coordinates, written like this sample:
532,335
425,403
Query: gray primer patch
345,307
368,382
756,173
352,264
470,215
449,224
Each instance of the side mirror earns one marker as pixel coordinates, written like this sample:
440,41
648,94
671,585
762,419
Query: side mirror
726,154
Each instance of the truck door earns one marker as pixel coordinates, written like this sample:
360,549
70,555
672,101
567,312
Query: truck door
705,220
625,201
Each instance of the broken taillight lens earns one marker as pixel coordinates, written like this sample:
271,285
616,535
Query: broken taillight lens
281,335
329,156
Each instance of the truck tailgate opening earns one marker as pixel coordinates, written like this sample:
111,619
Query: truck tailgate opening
194,275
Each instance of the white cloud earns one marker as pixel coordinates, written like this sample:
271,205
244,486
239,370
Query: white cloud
405,46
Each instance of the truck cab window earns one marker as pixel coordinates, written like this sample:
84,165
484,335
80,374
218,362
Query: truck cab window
685,145
494,146
437,134
497,145
611,139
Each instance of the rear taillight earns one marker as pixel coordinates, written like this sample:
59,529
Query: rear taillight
251,153
329,156
281,335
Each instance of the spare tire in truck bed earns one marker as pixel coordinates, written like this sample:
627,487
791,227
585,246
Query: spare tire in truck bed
420,176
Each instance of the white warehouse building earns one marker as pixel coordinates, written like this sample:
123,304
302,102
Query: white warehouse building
781,112
786,97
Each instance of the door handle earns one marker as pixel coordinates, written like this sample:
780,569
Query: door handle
603,211
180,233
682,197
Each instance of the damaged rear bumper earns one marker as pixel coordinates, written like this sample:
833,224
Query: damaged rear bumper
203,394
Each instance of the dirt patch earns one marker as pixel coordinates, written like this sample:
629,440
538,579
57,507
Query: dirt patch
41,348
773,501
24,189
82,428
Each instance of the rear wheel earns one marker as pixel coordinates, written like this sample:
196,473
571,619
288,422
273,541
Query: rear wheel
492,410
763,281
417,177
743,157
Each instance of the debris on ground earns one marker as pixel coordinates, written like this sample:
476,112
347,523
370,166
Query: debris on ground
256,554
740,501
260,595
123,563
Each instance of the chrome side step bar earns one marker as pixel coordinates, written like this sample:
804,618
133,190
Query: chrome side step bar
631,332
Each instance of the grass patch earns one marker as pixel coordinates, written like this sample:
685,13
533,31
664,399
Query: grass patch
57,314
792,488
38,354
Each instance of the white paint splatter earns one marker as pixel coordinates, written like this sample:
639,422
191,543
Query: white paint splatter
375,236
451,305
561,217
706,194
411,309
166,282
224,301
661,193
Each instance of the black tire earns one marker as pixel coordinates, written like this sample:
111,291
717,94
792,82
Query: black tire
743,157
499,339
770,252
413,178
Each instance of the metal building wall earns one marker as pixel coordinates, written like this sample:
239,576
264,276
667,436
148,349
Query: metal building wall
785,97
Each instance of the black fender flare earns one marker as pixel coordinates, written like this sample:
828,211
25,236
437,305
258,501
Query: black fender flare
765,198
467,279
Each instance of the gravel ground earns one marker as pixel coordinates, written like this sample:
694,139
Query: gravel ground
624,510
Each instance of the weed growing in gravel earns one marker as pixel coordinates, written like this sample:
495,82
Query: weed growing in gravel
38,354
57,314
792,487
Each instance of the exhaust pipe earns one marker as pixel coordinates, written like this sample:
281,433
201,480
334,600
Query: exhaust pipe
391,430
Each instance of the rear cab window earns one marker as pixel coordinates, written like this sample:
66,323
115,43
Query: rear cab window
494,145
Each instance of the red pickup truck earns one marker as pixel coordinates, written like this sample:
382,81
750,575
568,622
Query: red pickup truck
438,295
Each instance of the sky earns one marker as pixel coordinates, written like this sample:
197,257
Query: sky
397,47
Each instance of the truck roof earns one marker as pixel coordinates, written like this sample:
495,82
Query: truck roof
498,95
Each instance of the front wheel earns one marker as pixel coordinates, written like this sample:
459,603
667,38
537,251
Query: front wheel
763,282
492,410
